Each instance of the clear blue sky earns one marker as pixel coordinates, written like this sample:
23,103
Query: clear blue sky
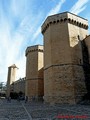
20,26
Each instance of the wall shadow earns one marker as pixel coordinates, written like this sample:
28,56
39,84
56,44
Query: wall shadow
86,68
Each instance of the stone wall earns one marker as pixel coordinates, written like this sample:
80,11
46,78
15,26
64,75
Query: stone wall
86,66
19,85
64,80
87,42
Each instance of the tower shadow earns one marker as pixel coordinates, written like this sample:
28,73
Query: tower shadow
86,68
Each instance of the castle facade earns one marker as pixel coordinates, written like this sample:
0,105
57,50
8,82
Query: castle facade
59,71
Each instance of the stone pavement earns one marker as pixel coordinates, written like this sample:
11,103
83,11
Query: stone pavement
16,110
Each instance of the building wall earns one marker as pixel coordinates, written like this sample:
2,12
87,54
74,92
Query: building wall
64,80
34,72
86,56
87,42
76,35
19,85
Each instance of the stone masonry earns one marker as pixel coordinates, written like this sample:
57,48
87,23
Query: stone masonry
59,72
64,79
86,59
11,78
34,72
19,85
87,41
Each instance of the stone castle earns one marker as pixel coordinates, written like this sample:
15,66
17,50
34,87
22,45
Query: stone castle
59,71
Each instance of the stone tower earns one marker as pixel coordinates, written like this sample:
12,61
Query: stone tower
11,78
34,72
63,61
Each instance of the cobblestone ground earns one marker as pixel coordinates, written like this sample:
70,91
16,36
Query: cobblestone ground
16,110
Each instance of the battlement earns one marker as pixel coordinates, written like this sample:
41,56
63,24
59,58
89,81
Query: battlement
65,17
13,66
38,48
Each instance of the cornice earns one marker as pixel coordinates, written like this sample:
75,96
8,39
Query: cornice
46,25
65,17
32,50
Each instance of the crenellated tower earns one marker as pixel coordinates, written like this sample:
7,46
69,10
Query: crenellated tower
34,72
64,80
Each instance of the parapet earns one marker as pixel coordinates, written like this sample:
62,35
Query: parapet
65,17
13,66
19,80
38,48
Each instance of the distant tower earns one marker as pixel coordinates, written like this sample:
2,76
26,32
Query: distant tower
63,61
34,72
11,78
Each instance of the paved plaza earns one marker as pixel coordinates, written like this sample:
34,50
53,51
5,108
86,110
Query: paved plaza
16,110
